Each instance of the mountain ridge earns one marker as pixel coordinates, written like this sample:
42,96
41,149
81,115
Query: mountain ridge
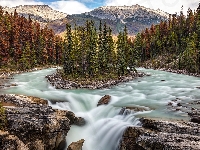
128,11
37,11
135,17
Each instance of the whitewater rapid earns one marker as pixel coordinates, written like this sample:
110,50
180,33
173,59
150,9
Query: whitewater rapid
104,125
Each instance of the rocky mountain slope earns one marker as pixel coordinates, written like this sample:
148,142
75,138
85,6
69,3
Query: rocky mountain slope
134,12
40,13
135,17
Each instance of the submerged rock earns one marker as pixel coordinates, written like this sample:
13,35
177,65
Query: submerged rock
191,108
104,100
32,124
76,145
159,135
75,120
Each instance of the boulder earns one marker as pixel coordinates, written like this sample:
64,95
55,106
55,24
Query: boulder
33,124
79,121
75,120
76,145
104,100
159,135
195,119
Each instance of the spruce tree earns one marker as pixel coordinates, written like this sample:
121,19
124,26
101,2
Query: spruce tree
68,48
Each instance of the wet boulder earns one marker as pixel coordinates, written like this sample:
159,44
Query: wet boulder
155,134
195,119
76,145
104,100
75,120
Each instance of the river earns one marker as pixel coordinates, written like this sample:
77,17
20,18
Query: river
105,126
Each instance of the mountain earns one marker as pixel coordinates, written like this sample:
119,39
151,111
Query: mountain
127,13
135,17
41,13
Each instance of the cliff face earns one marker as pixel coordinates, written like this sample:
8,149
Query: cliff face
32,124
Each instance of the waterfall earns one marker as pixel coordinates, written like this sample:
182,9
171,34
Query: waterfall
105,124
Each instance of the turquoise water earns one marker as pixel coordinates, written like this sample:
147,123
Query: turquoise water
104,125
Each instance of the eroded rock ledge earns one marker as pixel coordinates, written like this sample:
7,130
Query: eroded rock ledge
32,124
58,82
159,135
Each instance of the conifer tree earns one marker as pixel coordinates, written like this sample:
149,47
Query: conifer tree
92,54
68,50
110,52
121,57
101,49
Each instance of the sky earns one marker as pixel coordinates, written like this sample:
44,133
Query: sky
81,6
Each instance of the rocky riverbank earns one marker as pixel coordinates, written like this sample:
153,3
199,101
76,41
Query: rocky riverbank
177,71
32,124
169,135
58,82
160,135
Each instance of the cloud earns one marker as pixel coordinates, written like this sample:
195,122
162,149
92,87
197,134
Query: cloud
170,6
69,7
13,3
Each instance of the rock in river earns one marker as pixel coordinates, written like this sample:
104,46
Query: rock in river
76,145
104,100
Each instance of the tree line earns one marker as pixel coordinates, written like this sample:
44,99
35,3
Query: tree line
177,39
91,52
24,45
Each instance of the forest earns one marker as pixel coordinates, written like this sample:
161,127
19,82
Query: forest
92,53
174,43
24,45
86,51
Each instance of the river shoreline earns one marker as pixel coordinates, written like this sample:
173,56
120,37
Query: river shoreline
184,72
57,81
5,76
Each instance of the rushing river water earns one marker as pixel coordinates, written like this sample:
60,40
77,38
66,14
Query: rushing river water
105,126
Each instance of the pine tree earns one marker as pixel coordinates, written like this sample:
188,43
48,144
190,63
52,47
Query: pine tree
121,57
101,50
111,53
189,58
198,36
68,46
92,54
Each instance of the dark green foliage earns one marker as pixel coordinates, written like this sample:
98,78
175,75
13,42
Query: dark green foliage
92,54
176,39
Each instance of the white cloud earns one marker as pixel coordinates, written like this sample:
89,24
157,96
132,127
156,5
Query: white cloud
170,6
13,3
69,7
